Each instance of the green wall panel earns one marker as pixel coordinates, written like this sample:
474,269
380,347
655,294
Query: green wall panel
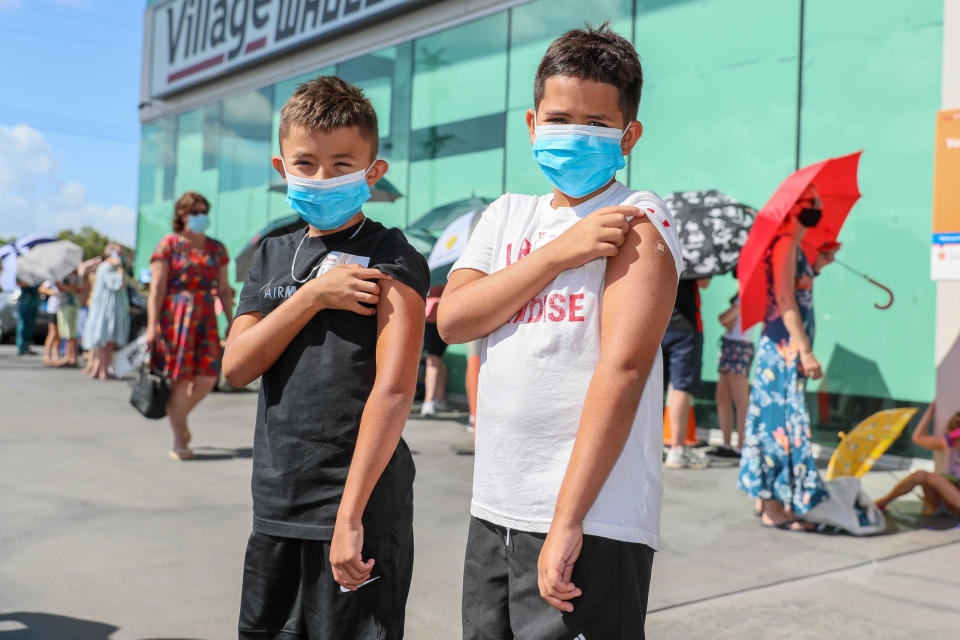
871,81
719,110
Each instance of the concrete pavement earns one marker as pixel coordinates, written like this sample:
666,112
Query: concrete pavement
102,536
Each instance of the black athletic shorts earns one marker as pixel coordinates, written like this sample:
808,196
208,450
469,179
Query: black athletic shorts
289,592
501,599
433,344
682,359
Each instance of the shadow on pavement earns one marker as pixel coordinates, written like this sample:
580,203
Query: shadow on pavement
31,625
908,515
203,454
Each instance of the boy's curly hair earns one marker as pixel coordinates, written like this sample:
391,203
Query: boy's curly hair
329,102
599,54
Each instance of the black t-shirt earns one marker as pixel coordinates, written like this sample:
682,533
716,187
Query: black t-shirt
686,309
312,398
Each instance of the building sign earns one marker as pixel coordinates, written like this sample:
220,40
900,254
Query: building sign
195,40
945,250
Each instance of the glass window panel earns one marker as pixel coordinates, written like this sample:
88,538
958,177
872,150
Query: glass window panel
459,73
887,106
245,141
535,25
718,108
193,139
436,182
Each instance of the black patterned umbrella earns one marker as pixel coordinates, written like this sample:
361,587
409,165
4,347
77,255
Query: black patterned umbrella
713,227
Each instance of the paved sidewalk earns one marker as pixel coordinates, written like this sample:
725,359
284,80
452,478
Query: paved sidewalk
103,537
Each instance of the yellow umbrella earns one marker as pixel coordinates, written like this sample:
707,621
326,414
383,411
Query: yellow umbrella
860,448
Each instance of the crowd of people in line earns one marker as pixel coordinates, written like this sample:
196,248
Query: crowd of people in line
565,514
89,313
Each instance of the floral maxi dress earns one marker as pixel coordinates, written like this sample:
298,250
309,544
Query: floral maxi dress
189,340
777,461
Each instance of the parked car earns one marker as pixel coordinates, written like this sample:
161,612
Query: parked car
8,319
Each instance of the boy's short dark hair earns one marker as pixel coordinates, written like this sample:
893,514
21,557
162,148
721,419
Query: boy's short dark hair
594,53
329,102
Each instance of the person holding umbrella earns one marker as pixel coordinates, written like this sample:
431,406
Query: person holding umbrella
777,464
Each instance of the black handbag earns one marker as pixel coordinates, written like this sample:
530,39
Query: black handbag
150,394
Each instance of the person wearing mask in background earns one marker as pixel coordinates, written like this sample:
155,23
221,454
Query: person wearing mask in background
87,272
435,377
51,346
733,379
941,491
185,269
682,358
777,466
67,319
27,305
108,321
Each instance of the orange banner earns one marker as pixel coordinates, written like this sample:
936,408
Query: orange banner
945,249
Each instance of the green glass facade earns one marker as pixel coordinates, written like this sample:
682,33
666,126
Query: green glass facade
726,104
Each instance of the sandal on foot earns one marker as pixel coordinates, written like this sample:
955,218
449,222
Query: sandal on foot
184,453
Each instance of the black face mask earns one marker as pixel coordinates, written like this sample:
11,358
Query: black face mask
810,216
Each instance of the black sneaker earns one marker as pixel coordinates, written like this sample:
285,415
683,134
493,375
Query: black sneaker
724,451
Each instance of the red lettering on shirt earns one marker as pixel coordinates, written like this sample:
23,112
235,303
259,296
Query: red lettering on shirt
554,307
536,309
557,310
574,307
524,250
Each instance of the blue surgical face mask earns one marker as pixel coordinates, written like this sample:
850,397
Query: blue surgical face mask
198,223
328,204
578,159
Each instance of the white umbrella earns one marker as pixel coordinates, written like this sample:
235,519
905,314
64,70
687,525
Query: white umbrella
49,261
8,259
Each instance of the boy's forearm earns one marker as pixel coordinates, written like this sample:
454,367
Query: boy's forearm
608,415
254,350
380,429
475,309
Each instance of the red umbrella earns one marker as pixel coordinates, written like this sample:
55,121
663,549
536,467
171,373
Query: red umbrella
836,181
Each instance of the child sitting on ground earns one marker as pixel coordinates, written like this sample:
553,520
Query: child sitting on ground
940,490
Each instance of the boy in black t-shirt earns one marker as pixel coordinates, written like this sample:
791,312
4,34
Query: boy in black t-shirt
332,317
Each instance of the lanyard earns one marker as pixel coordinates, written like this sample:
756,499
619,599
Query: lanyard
317,266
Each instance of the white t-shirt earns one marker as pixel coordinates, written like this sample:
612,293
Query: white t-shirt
736,332
534,374
53,302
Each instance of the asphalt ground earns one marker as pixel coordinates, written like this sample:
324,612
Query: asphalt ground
103,536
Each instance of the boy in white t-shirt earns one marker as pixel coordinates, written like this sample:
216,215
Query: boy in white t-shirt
571,293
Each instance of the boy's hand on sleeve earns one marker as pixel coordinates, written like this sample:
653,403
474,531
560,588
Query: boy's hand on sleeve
599,235
349,569
555,565
346,287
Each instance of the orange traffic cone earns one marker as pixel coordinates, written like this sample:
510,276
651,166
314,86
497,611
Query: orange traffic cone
691,428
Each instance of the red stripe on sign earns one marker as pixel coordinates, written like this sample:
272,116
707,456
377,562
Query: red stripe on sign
256,44
200,66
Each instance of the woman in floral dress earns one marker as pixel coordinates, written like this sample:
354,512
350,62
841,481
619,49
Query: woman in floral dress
777,465
187,269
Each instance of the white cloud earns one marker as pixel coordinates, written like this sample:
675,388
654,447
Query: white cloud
36,198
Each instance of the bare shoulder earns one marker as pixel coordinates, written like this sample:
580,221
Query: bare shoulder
643,249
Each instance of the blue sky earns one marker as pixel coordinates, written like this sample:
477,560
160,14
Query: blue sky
69,132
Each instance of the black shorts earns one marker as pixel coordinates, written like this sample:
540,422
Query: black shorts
289,592
501,599
682,359
432,342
